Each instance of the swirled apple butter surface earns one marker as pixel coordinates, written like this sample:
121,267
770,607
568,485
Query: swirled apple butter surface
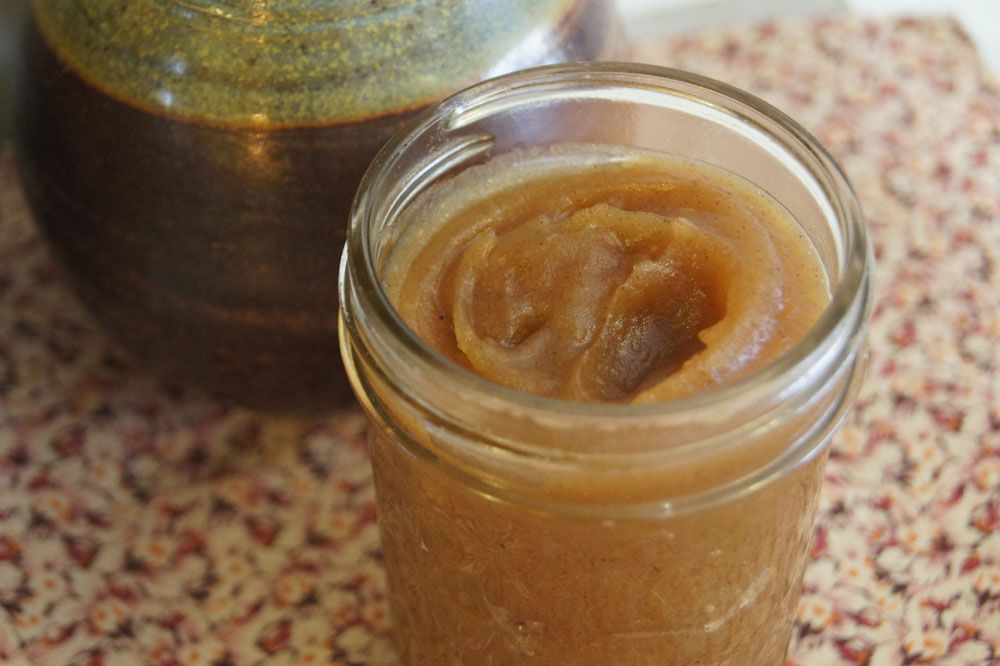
608,275
599,274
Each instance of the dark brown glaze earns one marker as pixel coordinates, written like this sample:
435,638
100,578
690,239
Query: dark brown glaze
211,252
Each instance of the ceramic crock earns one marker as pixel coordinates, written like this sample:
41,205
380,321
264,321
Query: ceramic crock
192,162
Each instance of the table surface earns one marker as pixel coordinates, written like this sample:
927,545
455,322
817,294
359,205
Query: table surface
140,524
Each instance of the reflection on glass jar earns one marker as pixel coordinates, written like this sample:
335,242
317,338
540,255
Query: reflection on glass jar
519,528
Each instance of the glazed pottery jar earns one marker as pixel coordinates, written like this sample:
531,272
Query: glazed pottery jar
192,162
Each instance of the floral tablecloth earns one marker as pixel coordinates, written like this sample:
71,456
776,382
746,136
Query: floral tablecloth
141,525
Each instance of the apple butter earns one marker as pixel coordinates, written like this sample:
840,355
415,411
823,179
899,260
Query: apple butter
604,319
600,274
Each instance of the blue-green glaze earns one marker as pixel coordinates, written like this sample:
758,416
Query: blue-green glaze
291,62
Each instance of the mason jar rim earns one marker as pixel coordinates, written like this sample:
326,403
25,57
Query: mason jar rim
850,296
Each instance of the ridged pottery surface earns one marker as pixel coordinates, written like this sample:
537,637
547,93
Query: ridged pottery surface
192,162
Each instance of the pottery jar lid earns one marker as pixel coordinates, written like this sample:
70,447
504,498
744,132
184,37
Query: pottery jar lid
293,62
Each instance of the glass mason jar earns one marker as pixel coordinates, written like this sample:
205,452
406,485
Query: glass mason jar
520,529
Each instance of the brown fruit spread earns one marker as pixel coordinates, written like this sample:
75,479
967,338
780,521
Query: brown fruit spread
596,274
